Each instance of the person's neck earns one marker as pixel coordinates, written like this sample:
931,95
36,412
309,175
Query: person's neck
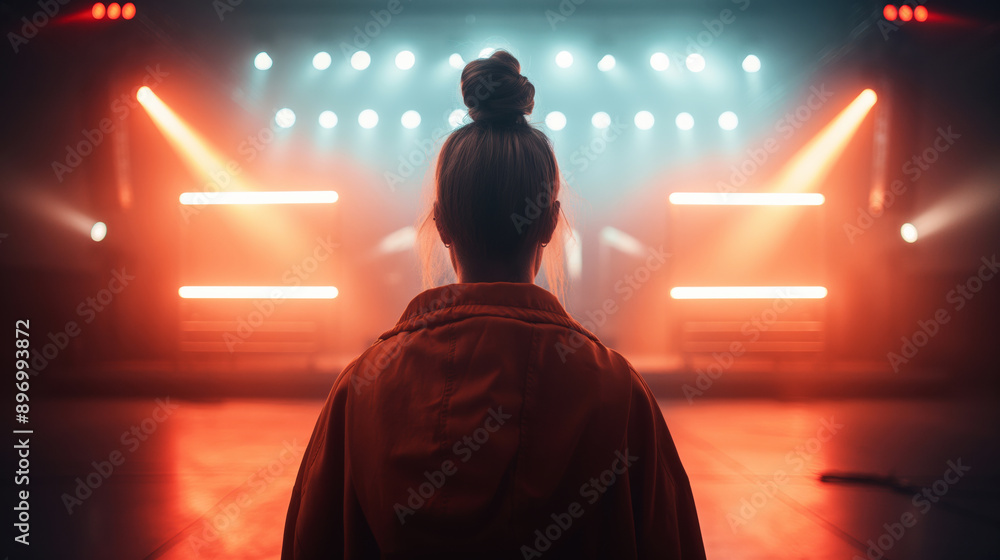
495,273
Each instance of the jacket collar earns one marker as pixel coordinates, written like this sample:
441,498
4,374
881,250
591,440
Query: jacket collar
454,302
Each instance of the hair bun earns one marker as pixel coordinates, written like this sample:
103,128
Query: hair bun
495,91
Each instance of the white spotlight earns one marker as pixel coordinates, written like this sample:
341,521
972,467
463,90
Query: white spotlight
487,52
728,120
684,121
601,120
564,59
456,61
659,61
751,63
322,61
262,61
695,62
606,63
555,120
360,60
644,120
411,119
908,231
368,118
405,60
98,231
284,118
456,117
328,119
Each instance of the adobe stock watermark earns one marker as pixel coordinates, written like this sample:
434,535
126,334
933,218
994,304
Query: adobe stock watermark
913,168
927,329
463,449
768,487
132,439
590,492
923,501
30,26
371,29
121,108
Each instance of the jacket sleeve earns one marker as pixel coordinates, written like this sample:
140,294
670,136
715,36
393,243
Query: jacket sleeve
666,521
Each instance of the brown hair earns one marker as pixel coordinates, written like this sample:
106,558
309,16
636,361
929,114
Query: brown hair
496,177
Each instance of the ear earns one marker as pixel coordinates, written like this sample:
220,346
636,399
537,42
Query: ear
552,220
439,223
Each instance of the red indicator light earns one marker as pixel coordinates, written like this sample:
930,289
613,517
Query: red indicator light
920,13
905,13
889,12
114,10
128,11
97,11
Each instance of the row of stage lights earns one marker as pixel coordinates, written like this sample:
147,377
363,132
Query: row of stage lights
905,13
405,60
555,120
113,10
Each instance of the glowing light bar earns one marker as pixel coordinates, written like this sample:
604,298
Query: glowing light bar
258,292
259,197
747,199
748,292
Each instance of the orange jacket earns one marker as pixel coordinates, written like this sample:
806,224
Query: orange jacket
489,424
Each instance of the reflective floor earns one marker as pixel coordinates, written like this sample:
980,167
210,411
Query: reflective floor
182,479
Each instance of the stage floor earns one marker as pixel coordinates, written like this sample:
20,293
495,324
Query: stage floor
211,479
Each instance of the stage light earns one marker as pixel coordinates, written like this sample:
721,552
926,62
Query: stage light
258,292
360,60
128,11
98,231
322,61
555,120
368,118
889,12
411,119
405,60
909,232
328,119
284,118
748,292
114,10
456,117
659,61
258,197
751,63
144,94
262,61
728,120
564,59
601,120
606,63
920,13
746,199
456,61
695,62
98,11
684,121
487,52
905,13
644,120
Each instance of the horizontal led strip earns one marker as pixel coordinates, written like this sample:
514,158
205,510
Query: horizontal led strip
747,199
259,197
748,292
258,292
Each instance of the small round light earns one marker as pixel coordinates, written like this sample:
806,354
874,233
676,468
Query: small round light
144,94
564,59
487,52
114,10
695,62
262,61
411,119
905,12
128,11
909,232
405,60
659,61
920,13
98,11
322,61
98,231
606,63
555,120
644,120
889,12
328,119
751,63
684,121
456,61
601,120
728,120
456,117
368,118
284,118
360,60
